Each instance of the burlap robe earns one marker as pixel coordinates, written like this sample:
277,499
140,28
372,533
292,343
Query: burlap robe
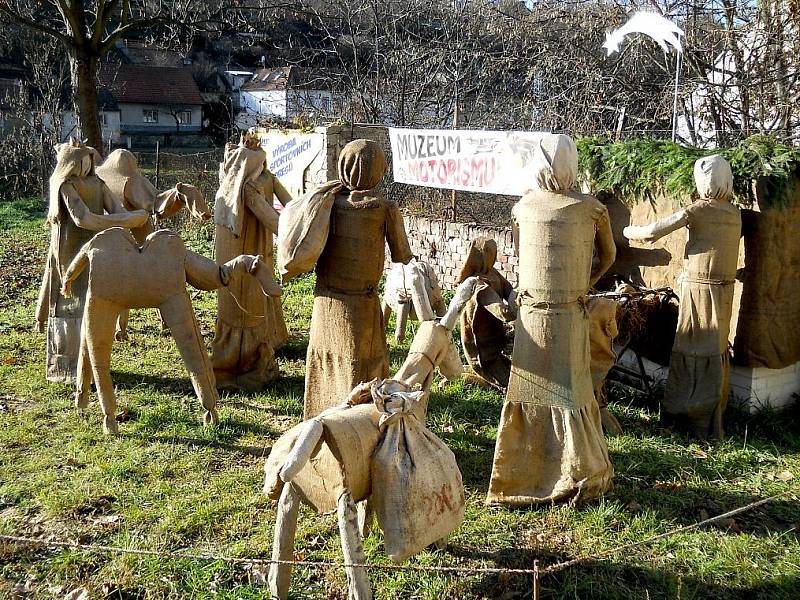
65,314
550,443
697,385
347,344
602,331
483,336
249,324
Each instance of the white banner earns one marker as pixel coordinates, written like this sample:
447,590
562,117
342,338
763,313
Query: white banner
495,162
289,155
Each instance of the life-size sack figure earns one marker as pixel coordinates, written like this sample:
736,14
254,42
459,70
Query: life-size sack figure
80,206
550,443
697,386
120,172
602,331
486,318
412,291
347,343
249,326
123,274
374,445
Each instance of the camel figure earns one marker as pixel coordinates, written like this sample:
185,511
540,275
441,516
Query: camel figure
328,463
123,275
165,205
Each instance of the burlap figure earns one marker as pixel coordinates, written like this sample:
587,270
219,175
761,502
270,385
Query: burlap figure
123,275
249,326
327,462
120,172
697,386
602,331
550,443
485,321
347,344
412,291
80,205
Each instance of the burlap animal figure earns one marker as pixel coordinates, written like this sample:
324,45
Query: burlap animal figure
550,443
602,331
697,385
412,291
123,274
249,326
327,461
486,319
120,172
80,205
347,344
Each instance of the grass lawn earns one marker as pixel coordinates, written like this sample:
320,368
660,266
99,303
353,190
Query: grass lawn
168,483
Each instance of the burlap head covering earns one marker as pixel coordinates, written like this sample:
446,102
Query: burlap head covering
69,160
241,165
480,259
120,172
713,177
555,163
362,165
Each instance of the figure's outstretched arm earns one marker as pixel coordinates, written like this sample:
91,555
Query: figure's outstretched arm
86,219
281,193
261,208
606,248
658,229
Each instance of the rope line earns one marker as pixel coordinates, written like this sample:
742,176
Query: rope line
536,570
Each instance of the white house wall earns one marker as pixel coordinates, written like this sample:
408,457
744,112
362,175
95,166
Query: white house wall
132,119
305,101
69,126
262,102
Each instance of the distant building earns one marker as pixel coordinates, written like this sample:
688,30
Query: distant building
141,100
283,94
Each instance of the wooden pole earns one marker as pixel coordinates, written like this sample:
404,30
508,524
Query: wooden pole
158,162
536,580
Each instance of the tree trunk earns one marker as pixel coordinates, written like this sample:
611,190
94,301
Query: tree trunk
83,68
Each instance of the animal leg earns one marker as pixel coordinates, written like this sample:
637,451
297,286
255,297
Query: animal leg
358,587
280,575
387,312
83,380
179,317
100,318
122,326
403,311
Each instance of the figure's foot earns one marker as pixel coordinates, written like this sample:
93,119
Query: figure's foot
121,335
610,423
110,425
210,418
81,400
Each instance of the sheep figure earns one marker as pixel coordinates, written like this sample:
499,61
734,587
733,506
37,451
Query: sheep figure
332,461
412,291
122,275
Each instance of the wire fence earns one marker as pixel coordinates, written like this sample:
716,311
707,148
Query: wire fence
536,571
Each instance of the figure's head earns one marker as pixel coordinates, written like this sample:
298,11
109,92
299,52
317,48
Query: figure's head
713,178
362,165
250,139
556,163
481,257
73,159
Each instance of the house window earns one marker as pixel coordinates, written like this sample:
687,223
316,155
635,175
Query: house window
149,116
103,119
326,104
184,117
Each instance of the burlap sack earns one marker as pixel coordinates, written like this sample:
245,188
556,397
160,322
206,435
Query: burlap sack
303,230
417,491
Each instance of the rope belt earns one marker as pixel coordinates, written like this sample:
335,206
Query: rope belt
526,299
323,288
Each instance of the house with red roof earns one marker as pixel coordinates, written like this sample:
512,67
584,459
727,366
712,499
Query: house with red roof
147,101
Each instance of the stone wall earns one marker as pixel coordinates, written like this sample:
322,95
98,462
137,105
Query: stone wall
445,245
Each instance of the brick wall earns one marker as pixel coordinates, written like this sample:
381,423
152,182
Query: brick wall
445,245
